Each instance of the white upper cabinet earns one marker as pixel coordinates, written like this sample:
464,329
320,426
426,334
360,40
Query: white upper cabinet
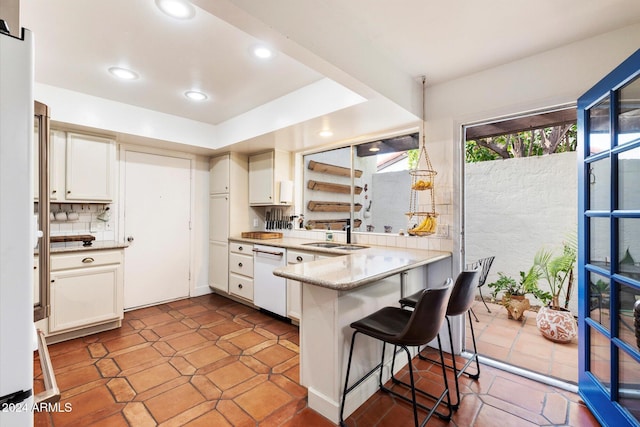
81,168
57,141
266,172
90,166
219,174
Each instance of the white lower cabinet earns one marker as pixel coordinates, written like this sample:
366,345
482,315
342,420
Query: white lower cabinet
219,266
294,287
241,270
86,289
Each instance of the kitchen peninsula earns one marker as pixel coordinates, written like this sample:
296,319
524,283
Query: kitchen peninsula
337,291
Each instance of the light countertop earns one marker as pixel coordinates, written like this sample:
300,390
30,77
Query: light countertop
354,268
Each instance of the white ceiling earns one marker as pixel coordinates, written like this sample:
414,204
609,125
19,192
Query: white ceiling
377,49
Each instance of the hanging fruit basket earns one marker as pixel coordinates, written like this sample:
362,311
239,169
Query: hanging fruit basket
422,183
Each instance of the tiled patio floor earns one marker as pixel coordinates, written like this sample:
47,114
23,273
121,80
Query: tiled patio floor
519,343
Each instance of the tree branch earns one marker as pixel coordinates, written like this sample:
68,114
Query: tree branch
488,143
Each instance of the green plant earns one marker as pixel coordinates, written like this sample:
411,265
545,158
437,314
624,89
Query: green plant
558,271
528,284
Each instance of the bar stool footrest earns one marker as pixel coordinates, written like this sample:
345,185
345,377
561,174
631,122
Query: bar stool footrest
460,372
438,399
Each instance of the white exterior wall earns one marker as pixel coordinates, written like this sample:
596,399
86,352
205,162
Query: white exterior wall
514,207
552,78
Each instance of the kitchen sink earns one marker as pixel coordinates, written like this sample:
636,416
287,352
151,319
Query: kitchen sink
323,244
351,247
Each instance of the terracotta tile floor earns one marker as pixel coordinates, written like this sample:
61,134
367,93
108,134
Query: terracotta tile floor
208,361
519,343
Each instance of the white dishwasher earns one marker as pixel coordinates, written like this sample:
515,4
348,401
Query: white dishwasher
269,291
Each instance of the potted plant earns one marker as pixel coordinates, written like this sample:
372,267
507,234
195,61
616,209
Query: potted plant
555,321
514,293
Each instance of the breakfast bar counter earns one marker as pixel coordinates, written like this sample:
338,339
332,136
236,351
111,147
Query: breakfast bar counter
340,290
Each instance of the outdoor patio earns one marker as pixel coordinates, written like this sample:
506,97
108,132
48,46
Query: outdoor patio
519,343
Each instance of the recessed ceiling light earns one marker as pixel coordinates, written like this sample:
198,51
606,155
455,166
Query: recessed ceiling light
179,9
123,73
262,52
325,133
194,95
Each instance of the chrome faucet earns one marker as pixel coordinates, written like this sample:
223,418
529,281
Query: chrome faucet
347,228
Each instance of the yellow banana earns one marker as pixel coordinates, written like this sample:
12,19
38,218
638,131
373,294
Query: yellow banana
428,225
432,225
423,226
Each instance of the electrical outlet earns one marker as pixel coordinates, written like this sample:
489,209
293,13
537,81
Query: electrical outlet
255,222
93,227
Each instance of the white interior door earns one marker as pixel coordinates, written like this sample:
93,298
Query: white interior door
157,206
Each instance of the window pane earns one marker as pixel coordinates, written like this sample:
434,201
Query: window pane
600,358
629,247
599,129
627,297
599,185
629,112
629,387
599,241
628,176
599,299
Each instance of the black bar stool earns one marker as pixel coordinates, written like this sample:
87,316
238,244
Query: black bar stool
484,264
462,296
405,328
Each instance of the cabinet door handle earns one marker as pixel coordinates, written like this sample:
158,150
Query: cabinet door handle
240,285
68,191
239,264
54,191
88,260
299,258
239,248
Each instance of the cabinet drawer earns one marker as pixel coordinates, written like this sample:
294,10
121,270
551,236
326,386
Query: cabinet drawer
241,248
241,286
241,264
294,257
84,259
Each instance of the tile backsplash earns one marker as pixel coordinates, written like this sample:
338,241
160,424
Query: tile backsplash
87,221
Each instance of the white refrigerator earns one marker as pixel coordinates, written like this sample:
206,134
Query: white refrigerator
17,233
18,237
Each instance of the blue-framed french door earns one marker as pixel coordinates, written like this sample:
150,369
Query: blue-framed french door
609,245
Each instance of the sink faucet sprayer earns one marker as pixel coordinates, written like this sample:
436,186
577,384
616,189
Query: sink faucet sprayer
347,228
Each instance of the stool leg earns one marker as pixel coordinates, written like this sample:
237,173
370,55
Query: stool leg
346,380
446,383
474,314
453,365
413,387
384,346
483,301
475,352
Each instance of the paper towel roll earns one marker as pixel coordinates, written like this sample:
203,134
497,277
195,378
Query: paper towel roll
286,192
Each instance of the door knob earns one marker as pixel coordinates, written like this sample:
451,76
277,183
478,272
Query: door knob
130,239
